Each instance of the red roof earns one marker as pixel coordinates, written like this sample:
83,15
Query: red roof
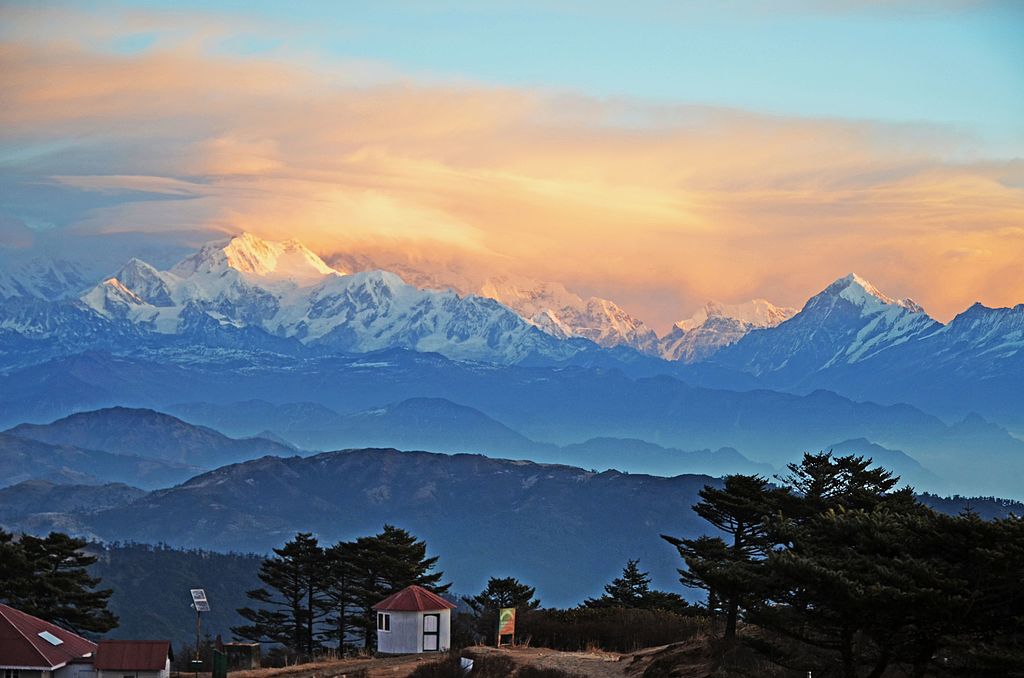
413,599
132,655
21,646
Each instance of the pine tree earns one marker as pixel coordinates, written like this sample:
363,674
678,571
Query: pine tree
822,481
633,590
383,564
503,592
295,606
47,577
339,594
725,568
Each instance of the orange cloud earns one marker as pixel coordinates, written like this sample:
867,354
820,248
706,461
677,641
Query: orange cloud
657,207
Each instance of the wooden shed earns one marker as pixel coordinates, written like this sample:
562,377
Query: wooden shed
413,620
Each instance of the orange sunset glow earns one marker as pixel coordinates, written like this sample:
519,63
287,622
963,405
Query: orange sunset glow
660,205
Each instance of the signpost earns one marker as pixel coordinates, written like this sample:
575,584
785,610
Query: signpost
201,604
507,624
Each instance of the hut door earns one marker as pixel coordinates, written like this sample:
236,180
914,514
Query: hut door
431,632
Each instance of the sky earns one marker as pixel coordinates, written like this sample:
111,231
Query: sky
660,154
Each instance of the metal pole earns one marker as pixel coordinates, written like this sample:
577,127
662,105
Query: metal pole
197,644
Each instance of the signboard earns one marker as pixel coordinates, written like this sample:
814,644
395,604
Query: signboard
507,621
199,600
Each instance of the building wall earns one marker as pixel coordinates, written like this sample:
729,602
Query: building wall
27,673
165,673
406,634
77,670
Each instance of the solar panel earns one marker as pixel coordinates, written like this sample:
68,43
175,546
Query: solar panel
199,600
50,638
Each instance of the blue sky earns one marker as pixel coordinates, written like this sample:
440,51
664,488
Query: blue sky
946,62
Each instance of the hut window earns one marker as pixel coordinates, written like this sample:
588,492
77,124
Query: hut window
383,621
11,673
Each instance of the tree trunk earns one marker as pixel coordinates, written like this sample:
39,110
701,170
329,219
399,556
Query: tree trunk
734,603
309,621
730,619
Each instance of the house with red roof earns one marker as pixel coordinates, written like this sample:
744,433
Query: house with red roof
412,621
33,648
133,659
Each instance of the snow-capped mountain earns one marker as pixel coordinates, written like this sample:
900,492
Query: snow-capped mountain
289,292
548,306
564,314
848,322
716,326
40,278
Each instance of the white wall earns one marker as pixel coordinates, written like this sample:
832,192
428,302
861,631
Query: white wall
165,673
76,670
406,634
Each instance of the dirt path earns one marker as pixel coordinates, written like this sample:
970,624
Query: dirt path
594,664
597,664
376,667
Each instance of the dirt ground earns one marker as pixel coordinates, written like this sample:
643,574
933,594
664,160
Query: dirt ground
593,664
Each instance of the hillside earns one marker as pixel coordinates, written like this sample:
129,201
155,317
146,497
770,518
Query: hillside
151,589
33,497
484,517
440,425
150,434
26,459
558,406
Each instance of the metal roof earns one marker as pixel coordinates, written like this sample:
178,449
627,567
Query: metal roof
132,655
27,642
413,599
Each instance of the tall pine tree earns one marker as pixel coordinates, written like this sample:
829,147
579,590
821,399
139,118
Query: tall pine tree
724,567
383,564
293,598
48,577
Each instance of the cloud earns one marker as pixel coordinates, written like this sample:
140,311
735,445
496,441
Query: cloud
657,206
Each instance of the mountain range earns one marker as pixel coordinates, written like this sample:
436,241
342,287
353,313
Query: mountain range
483,516
244,318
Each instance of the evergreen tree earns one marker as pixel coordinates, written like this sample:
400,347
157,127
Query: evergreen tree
339,595
295,604
503,592
822,481
725,567
633,590
383,564
629,590
47,577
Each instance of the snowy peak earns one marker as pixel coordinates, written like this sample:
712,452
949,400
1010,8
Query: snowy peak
112,299
254,257
846,323
756,313
716,326
40,278
980,325
862,293
557,311
145,282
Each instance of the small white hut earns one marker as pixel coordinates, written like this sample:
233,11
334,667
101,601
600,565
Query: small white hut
413,620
